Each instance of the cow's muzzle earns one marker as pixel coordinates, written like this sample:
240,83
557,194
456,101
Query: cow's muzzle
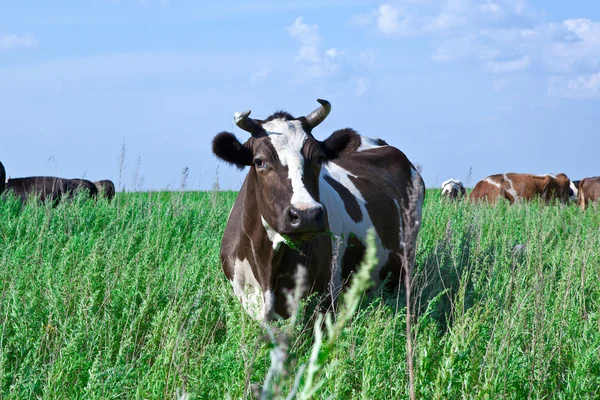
300,222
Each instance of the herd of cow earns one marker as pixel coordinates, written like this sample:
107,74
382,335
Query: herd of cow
518,187
306,206
52,188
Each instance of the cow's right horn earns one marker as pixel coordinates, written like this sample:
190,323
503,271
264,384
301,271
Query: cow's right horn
243,121
319,115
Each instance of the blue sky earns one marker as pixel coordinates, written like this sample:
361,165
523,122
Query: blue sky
492,85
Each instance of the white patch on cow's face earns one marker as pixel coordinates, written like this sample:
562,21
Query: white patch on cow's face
288,137
511,190
366,143
273,235
247,289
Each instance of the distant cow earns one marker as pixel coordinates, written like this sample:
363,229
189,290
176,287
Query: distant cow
306,202
2,178
517,187
49,187
453,189
106,188
589,191
574,189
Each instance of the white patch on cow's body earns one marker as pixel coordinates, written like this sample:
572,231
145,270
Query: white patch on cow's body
511,190
366,143
342,176
416,177
288,137
247,289
268,301
492,182
401,231
449,185
342,225
273,235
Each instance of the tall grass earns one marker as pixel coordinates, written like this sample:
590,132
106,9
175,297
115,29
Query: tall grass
127,299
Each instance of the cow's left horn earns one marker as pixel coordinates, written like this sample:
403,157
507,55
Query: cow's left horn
319,115
243,120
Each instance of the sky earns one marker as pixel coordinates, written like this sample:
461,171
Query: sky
465,88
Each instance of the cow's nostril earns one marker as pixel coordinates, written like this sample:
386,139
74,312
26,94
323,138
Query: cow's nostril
294,216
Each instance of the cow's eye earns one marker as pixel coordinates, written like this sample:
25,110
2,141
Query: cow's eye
259,163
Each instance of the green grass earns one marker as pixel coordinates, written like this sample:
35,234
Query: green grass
128,300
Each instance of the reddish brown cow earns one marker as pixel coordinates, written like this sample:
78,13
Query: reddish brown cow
517,187
589,191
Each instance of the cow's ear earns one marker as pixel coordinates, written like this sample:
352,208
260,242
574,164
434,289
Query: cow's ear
229,149
341,142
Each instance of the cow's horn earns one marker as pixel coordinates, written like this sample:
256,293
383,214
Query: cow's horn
246,123
319,115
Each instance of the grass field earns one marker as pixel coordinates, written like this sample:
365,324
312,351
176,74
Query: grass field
128,300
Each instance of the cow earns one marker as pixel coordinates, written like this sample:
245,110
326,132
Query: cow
106,188
453,189
309,203
518,187
573,190
589,192
2,178
48,188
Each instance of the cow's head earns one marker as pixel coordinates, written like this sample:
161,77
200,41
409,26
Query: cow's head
285,163
573,190
453,188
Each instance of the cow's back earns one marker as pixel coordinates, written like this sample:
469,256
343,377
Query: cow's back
106,188
488,189
42,187
589,191
74,186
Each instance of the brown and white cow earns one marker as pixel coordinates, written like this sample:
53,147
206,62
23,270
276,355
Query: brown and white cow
518,187
453,189
589,192
323,195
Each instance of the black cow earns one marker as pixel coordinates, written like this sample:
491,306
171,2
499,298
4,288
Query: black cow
106,188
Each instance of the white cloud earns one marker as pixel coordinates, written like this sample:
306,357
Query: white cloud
308,36
507,67
504,36
388,18
578,43
10,41
585,86
312,63
361,20
261,75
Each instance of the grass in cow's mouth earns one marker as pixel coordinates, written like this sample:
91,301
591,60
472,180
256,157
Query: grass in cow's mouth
128,300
